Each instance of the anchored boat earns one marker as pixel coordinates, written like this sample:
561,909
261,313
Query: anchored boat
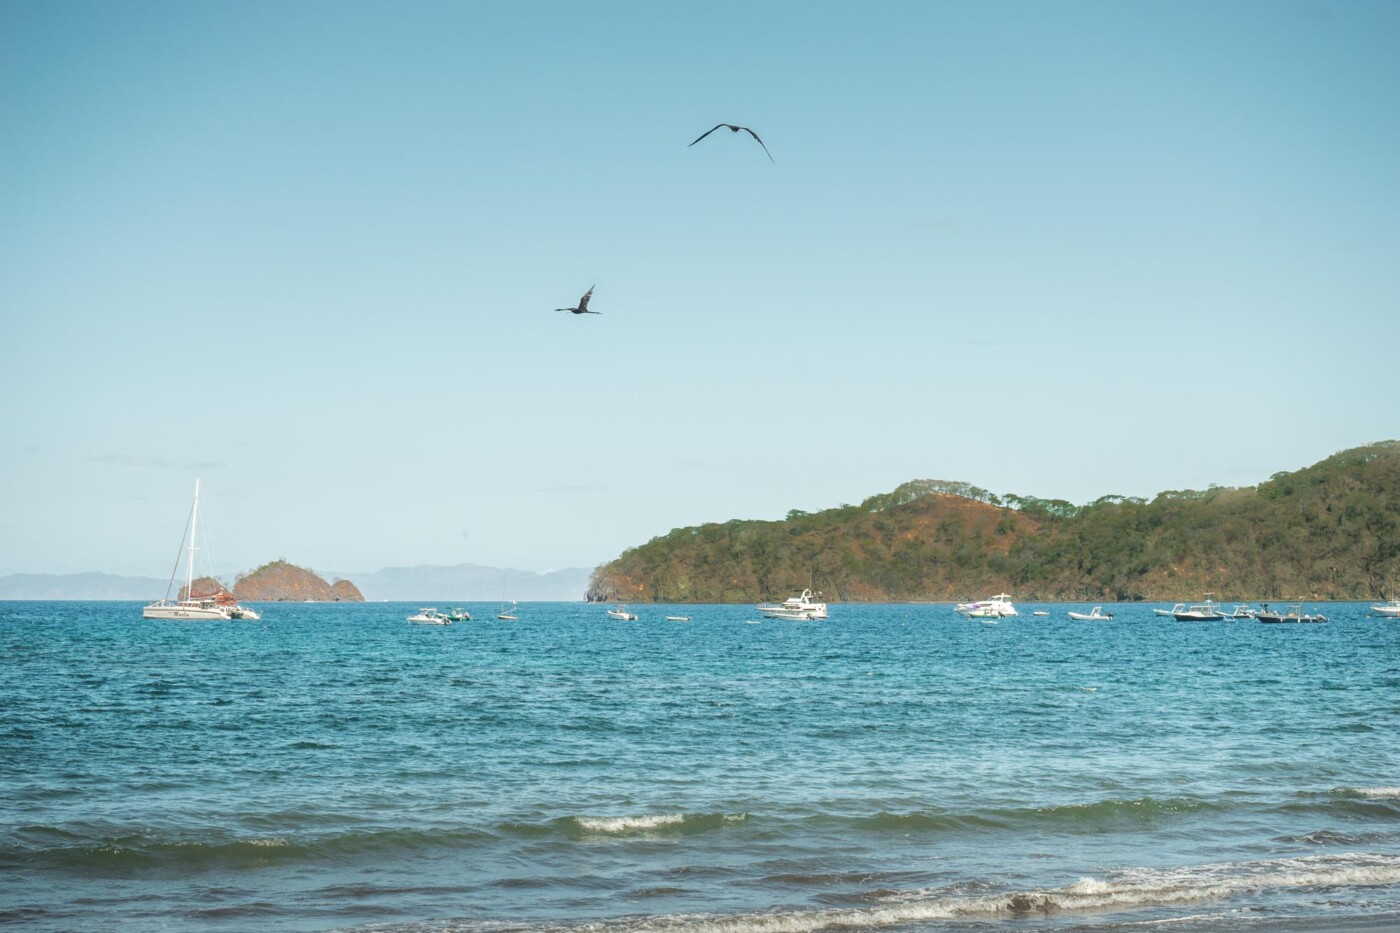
798,608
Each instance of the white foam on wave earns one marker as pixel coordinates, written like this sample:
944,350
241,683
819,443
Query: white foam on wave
626,824
1120,890
1380,793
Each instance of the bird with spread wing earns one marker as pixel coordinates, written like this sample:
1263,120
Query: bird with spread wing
582,304
735,129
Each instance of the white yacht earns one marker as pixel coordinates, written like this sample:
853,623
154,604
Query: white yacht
1390,610
798,608
222,606
998,607
430,616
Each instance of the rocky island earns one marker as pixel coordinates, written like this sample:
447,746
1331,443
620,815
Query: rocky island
280,582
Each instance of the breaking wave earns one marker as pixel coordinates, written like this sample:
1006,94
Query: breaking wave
1117,891
645,824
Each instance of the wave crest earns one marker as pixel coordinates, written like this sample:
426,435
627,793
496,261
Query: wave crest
1118,891
653,823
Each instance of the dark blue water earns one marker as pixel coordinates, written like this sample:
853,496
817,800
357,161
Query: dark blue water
895,767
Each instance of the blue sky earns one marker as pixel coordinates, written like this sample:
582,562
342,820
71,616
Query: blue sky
310,252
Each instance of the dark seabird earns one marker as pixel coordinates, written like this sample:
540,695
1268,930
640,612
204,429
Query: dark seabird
735,129
582,304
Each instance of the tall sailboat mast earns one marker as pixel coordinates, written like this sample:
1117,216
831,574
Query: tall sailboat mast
194,527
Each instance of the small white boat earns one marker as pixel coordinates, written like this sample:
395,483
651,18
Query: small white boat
1040,612
1390,610
1241,611
797,608
1093,615
242,613
678,618
998,607
1207,611
430,616
508,615
1179,607
1295,614
621,614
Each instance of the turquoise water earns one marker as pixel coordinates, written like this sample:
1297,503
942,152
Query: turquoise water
894,767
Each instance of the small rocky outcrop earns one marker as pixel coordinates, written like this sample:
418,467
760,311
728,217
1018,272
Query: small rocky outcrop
281,582
204,588
346,592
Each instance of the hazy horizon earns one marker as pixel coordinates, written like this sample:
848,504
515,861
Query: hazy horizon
312,254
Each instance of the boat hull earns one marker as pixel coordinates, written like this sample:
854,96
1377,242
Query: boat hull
177,611
793,615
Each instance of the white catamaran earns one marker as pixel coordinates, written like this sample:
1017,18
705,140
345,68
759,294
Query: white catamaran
221,606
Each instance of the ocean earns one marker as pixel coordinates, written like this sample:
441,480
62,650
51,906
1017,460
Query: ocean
895,767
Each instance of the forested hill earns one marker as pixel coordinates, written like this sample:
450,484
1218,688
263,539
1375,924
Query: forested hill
1329,531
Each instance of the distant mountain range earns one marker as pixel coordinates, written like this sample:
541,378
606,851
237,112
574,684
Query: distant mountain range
470,583
461,583
80,586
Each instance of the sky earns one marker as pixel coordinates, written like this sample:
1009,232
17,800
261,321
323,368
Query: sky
310,253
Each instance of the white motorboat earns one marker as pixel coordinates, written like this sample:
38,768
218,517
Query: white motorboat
1295,614
1093,615
797,608
222,606
1179,607
1207,611
998,607
1040,612
1241,611
430,616
1390,610
234,610
621,614
678,618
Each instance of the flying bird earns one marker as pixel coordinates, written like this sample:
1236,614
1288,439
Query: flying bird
582,304
735,129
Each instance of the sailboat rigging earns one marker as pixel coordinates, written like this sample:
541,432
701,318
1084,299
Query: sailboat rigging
221,606
507,615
